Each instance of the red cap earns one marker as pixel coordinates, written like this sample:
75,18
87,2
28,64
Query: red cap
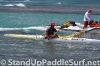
89,10
52,24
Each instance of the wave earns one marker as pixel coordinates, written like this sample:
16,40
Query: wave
18,5
13,0
27,0
8,5
58,3
58,8
27,28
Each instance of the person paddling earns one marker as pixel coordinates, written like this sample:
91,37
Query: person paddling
50,32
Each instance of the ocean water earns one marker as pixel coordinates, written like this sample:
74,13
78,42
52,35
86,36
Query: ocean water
22,16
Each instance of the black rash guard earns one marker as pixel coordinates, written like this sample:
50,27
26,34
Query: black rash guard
51,30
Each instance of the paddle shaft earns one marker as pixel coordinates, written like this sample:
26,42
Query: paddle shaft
52,36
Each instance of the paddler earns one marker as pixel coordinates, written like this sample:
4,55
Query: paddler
50,32
87,18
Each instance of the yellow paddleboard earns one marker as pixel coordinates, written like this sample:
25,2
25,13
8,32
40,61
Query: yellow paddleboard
74,35
40,36
23,36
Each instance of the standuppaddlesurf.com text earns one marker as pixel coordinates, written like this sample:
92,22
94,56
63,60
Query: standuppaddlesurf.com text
42,62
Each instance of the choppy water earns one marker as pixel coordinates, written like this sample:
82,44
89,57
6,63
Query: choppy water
30,14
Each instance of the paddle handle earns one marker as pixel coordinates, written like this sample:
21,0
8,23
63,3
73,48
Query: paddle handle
53,35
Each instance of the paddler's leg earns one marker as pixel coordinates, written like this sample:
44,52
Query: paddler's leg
53,36
85,24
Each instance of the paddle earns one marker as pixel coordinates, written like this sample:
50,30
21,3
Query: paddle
52,35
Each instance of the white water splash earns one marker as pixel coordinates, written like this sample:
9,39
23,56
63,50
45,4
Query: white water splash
8,5
20,5
27,0
36,28
59,3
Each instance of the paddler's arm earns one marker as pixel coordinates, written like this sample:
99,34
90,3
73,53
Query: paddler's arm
57,30
56,36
